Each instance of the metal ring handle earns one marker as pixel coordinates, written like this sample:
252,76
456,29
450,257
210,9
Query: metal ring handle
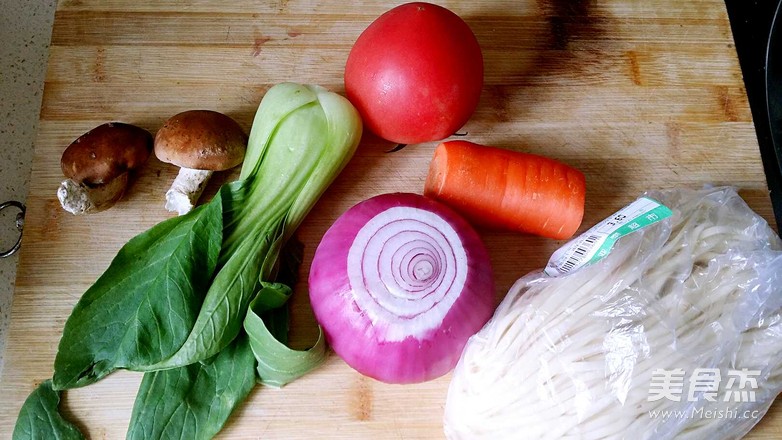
19,226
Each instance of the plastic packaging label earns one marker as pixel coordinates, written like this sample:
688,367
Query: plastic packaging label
594,244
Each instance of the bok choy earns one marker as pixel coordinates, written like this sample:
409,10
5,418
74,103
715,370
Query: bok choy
177,296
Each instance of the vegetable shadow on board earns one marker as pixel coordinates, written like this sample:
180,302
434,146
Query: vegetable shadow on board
69,415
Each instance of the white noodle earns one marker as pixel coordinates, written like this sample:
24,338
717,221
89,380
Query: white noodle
572,357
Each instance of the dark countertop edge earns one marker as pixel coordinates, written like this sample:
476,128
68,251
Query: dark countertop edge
751,22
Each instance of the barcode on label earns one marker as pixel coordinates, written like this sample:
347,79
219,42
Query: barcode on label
579,253
597,242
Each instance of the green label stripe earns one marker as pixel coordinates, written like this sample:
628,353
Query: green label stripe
651,217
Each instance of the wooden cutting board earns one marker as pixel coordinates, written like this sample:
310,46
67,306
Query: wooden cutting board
638,95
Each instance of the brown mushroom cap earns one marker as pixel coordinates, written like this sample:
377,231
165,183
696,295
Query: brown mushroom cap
201,140
106,152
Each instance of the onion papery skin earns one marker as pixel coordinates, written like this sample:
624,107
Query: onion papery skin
399,283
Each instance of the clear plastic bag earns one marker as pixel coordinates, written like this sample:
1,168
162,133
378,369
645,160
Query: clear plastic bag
677,333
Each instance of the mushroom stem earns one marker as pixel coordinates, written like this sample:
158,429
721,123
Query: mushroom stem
78,198
186,189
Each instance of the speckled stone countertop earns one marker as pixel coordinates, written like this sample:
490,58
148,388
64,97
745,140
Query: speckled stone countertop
25,32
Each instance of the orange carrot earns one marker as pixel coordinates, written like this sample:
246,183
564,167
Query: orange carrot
508,190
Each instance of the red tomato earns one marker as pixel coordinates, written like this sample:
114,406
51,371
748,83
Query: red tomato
415,74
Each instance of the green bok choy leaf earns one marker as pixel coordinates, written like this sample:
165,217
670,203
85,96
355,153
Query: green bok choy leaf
302,137
40,417
178,294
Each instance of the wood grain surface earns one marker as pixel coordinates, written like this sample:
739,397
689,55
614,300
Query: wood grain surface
638,95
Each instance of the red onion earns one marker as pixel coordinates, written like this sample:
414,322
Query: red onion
399,283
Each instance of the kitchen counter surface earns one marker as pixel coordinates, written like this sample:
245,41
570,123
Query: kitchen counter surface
25,31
